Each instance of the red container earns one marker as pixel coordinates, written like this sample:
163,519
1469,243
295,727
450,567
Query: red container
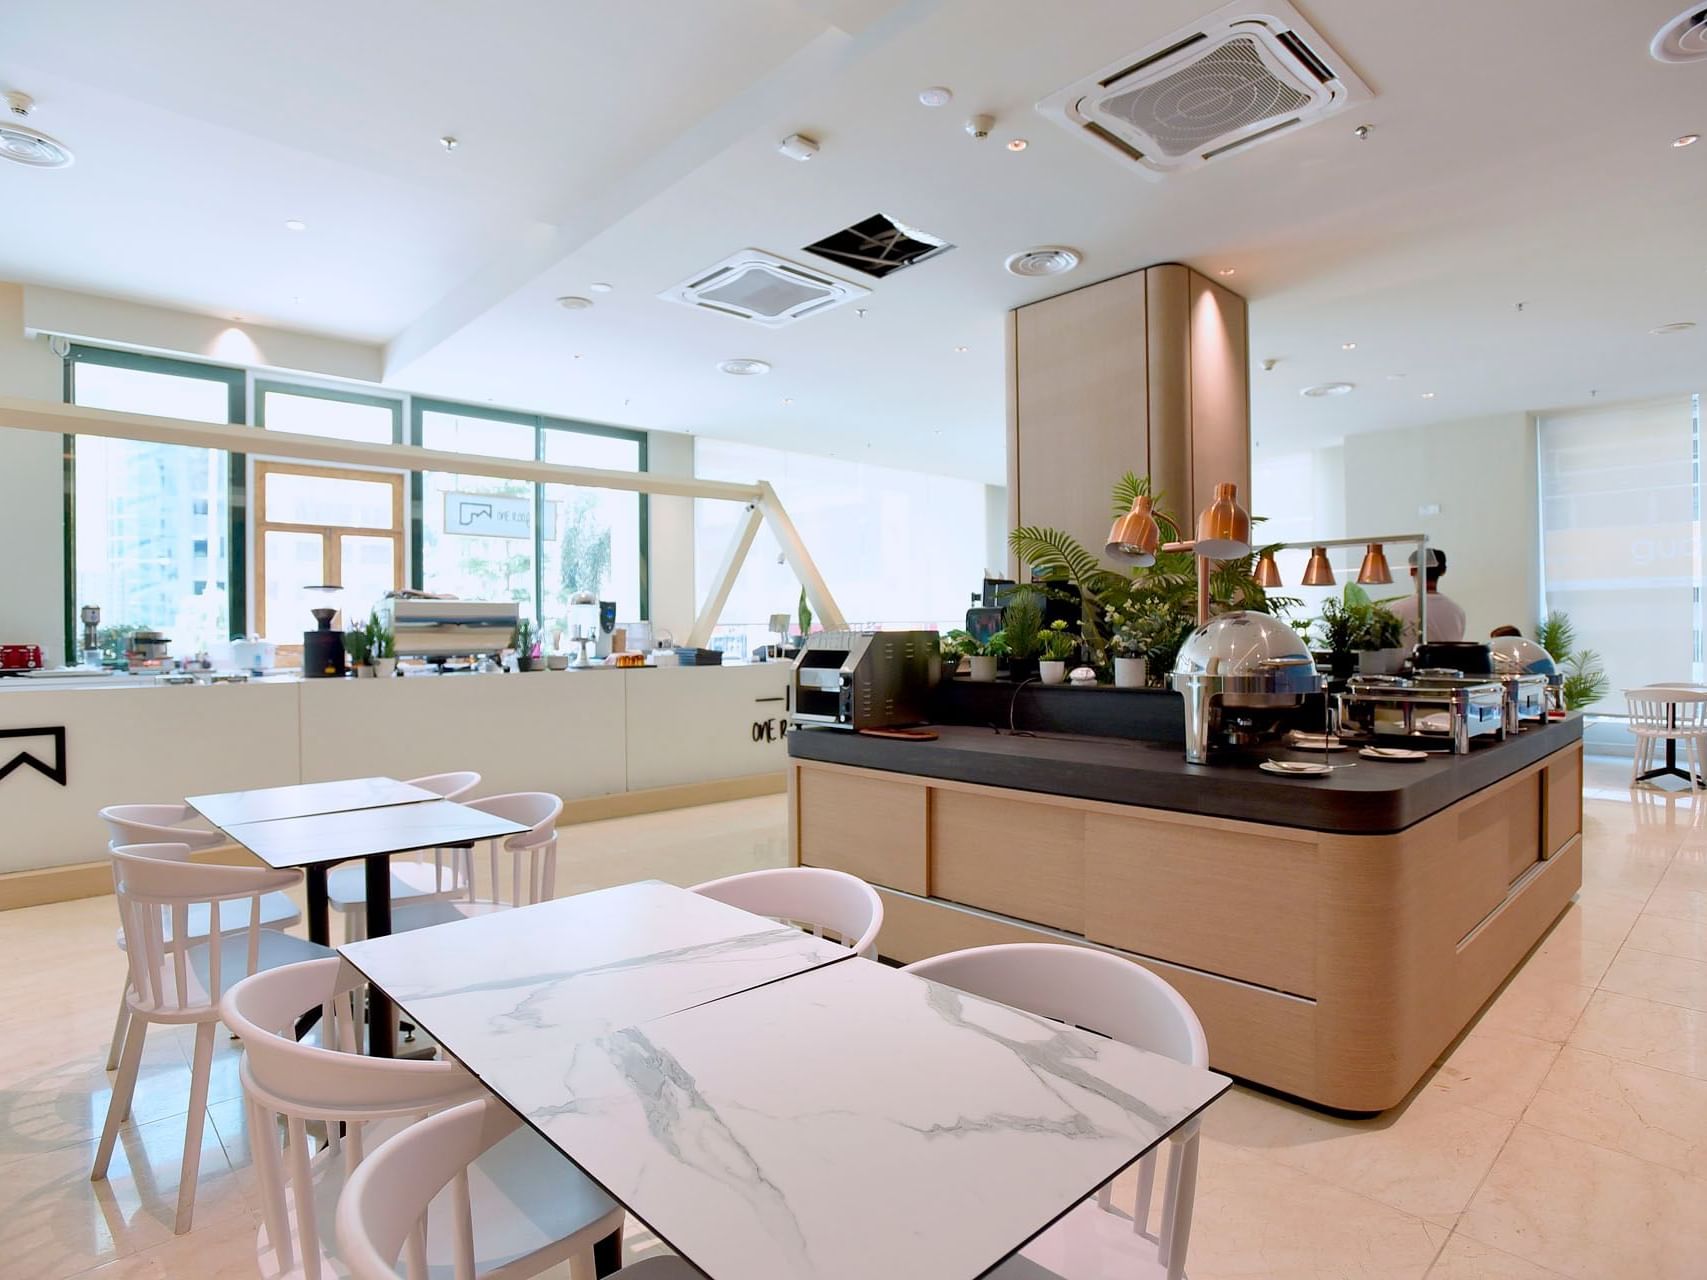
20,657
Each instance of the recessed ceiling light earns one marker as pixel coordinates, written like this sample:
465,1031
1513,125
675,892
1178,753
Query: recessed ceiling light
573,302
937,95
1323,389
1017,144
744,366
1683,39
449,143
1428,395
1228,271
1047,260
1679,326
961,350
295,224
1348,346
600,286
1687,140
788,399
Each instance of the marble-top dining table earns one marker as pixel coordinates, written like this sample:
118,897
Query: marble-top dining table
771,1106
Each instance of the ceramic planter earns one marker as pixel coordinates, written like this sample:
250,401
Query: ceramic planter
1380,662
364,671
384,668
983,667
1129,673
1052,671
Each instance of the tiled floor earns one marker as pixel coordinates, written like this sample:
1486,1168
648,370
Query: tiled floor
1564,1135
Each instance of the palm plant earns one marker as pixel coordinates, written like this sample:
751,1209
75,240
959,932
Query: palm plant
1585,680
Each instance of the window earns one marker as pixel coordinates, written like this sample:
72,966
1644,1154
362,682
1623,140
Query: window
323,526
144,516
897,548
1621,536
335,413
484,537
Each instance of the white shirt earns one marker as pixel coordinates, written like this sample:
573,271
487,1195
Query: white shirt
1445,619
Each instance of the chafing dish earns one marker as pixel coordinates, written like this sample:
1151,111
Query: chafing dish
1515,656
1460,711
1237,674
866,680
1525,696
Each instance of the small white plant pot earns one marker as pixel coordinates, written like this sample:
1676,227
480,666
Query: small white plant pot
1052,671
1129,673
364,671
384,668
983,667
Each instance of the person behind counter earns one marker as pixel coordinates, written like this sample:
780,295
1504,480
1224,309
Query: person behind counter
1446,619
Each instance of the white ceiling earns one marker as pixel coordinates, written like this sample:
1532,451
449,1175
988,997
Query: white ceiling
1519,153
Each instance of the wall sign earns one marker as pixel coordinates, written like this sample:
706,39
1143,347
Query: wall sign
55,771
495,515
770,730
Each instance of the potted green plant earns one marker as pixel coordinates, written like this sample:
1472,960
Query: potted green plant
1380,636
382,646
1022,625
981,655
804,613
1059,645
358,644
526,646
1585,680
1337,630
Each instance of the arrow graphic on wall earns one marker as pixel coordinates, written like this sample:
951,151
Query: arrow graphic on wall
55,771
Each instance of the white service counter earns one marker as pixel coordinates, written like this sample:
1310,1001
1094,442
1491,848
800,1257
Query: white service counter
579,734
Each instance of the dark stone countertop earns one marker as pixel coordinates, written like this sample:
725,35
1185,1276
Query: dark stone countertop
1373,798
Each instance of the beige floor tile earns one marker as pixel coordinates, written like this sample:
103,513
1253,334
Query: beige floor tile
1667,1037
1678,904
1424,1159
1494,1072
1602,917
1258,1220
1670,936
1659,1116
1535,1005
1566,956
1589,1212
1651,976
1464,1259
223,1251
1688,871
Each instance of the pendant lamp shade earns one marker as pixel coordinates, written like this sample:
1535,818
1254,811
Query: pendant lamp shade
1318,573
1224,528
1374,570
1135,535
1267,573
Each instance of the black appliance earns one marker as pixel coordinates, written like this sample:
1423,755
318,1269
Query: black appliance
1470,657
323,648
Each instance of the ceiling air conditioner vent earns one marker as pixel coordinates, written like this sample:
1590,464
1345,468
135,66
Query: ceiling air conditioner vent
1248,73
763,289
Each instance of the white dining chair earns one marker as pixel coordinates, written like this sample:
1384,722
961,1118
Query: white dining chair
178,980
164,824
531,866
535,1209
413,878
1124,1001
815,898
384,1211
1659,712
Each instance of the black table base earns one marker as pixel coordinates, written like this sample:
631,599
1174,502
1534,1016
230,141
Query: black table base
1670,769
380,1014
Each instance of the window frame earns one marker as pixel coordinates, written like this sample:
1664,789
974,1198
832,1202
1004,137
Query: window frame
236,412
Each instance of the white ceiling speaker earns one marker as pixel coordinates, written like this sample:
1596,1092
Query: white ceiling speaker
1677,326
1323,390
1684,38
1050,260
744,366
763,289
574,302
1249,73
24,144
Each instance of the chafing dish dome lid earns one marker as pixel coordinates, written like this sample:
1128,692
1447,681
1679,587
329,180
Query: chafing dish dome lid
1516,656
1244,644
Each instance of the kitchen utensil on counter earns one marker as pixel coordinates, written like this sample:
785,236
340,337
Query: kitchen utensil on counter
253,654
1238,673
20,657
148,648
866,680
1392,753
1314,741
1296,768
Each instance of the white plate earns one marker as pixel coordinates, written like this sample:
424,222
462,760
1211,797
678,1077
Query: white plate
1392,753
1296,768
1313,742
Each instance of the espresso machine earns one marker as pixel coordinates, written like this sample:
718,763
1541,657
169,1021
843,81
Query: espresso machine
594,621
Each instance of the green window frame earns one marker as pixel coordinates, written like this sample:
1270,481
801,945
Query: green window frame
541,423
236,415
310,392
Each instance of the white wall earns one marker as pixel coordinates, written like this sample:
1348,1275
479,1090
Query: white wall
670,532
32,546
1476,480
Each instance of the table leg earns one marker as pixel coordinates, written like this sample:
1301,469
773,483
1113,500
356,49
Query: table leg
607,1255
319,928
380,1013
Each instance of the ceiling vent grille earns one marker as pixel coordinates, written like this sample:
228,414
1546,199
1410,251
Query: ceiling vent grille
763,289
1250,72
879,246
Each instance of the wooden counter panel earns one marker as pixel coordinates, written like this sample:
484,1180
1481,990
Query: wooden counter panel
1015,857
1499,838
867,826
1252,1034
1228,898
1561,800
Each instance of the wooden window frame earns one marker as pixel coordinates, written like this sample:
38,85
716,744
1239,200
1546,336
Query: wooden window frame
331,535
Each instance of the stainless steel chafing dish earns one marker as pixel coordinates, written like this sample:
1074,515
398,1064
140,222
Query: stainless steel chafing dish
1237,673
1460,711
1525,696
1515,656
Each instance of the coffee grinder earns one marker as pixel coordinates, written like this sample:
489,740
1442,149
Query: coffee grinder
323,648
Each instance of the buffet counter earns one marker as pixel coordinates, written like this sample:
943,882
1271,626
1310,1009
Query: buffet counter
607,741
1334,934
